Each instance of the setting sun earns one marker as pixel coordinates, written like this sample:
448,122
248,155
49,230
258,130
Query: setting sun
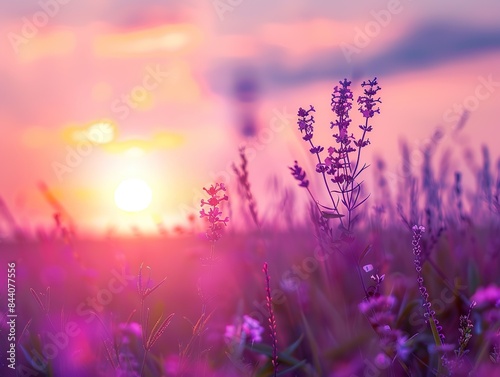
133,195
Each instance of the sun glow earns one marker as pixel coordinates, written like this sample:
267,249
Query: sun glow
133,195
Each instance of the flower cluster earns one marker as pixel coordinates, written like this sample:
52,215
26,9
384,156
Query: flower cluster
488,302
368,102
341,105
378,311
249,329
487,297
214,214
340,167
465,331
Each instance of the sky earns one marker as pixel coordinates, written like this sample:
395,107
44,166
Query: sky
94,93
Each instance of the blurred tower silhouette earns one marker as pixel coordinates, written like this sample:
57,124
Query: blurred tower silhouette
245,92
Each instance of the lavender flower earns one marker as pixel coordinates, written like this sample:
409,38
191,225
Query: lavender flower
465,331
299,175
214,214
488,302
487,297
417,252
341,105
368,102
244,186
306,122
339,167
377,304
250,329
382,361
378,311
429,314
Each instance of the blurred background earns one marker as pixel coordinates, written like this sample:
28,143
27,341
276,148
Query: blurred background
156,97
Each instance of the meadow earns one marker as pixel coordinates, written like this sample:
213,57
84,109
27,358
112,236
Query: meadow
402,281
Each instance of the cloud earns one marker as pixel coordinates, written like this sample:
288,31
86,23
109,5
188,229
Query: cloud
159,39
424,46
434,44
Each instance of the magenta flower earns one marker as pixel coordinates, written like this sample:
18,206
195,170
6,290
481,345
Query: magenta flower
377,304
250,329
214,214
487,297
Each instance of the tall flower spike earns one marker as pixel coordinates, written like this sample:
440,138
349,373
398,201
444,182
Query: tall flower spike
465,331
272,321
429,314
214,214
341,168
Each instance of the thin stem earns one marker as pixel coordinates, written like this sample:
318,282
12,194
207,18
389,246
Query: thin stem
358,269
359,148
327,185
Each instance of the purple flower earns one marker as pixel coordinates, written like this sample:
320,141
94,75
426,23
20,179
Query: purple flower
429,314
321,168
368,102
487,297
316,150
249,329
361,143
377,304
214,214
306,122
299,175
342,100
403,347
382,361
252,328
343,162
341,105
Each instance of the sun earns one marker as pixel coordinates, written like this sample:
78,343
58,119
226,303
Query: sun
133,195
